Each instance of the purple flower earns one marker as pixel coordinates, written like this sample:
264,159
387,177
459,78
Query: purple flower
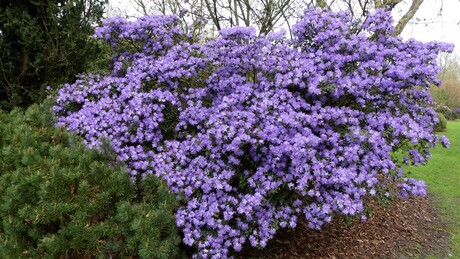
412,186
445,142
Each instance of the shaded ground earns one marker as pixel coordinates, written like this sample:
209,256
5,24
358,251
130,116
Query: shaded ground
400,229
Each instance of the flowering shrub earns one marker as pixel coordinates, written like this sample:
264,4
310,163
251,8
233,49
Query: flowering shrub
256,131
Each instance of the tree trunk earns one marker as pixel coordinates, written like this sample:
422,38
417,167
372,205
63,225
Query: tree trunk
407,16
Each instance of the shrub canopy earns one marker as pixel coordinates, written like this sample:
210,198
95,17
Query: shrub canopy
257,131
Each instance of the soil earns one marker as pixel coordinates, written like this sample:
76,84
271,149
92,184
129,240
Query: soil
403,228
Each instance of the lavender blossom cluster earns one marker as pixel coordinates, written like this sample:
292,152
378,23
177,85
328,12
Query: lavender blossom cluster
256,131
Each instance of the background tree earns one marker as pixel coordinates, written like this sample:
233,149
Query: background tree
361,8
450,64
44,43
267,15
447,96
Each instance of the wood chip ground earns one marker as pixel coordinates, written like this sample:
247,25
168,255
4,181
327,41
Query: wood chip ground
399,229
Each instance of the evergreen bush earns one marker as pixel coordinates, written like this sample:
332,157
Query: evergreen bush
45,43
60,199
442,123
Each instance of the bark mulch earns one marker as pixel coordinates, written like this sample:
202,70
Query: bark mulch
399,229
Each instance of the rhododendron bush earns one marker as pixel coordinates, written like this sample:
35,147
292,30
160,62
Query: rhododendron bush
254,132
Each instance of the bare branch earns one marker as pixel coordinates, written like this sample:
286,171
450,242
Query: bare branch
364,10
213,13
141,7
266,15
350,7
248,10
235,11
407,16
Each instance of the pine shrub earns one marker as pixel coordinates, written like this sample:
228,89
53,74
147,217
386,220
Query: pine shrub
60,199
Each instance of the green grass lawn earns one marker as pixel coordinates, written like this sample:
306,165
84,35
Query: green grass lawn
442,176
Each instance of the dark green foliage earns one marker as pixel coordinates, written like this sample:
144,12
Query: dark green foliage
43,43
442,124
171,118
60,199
